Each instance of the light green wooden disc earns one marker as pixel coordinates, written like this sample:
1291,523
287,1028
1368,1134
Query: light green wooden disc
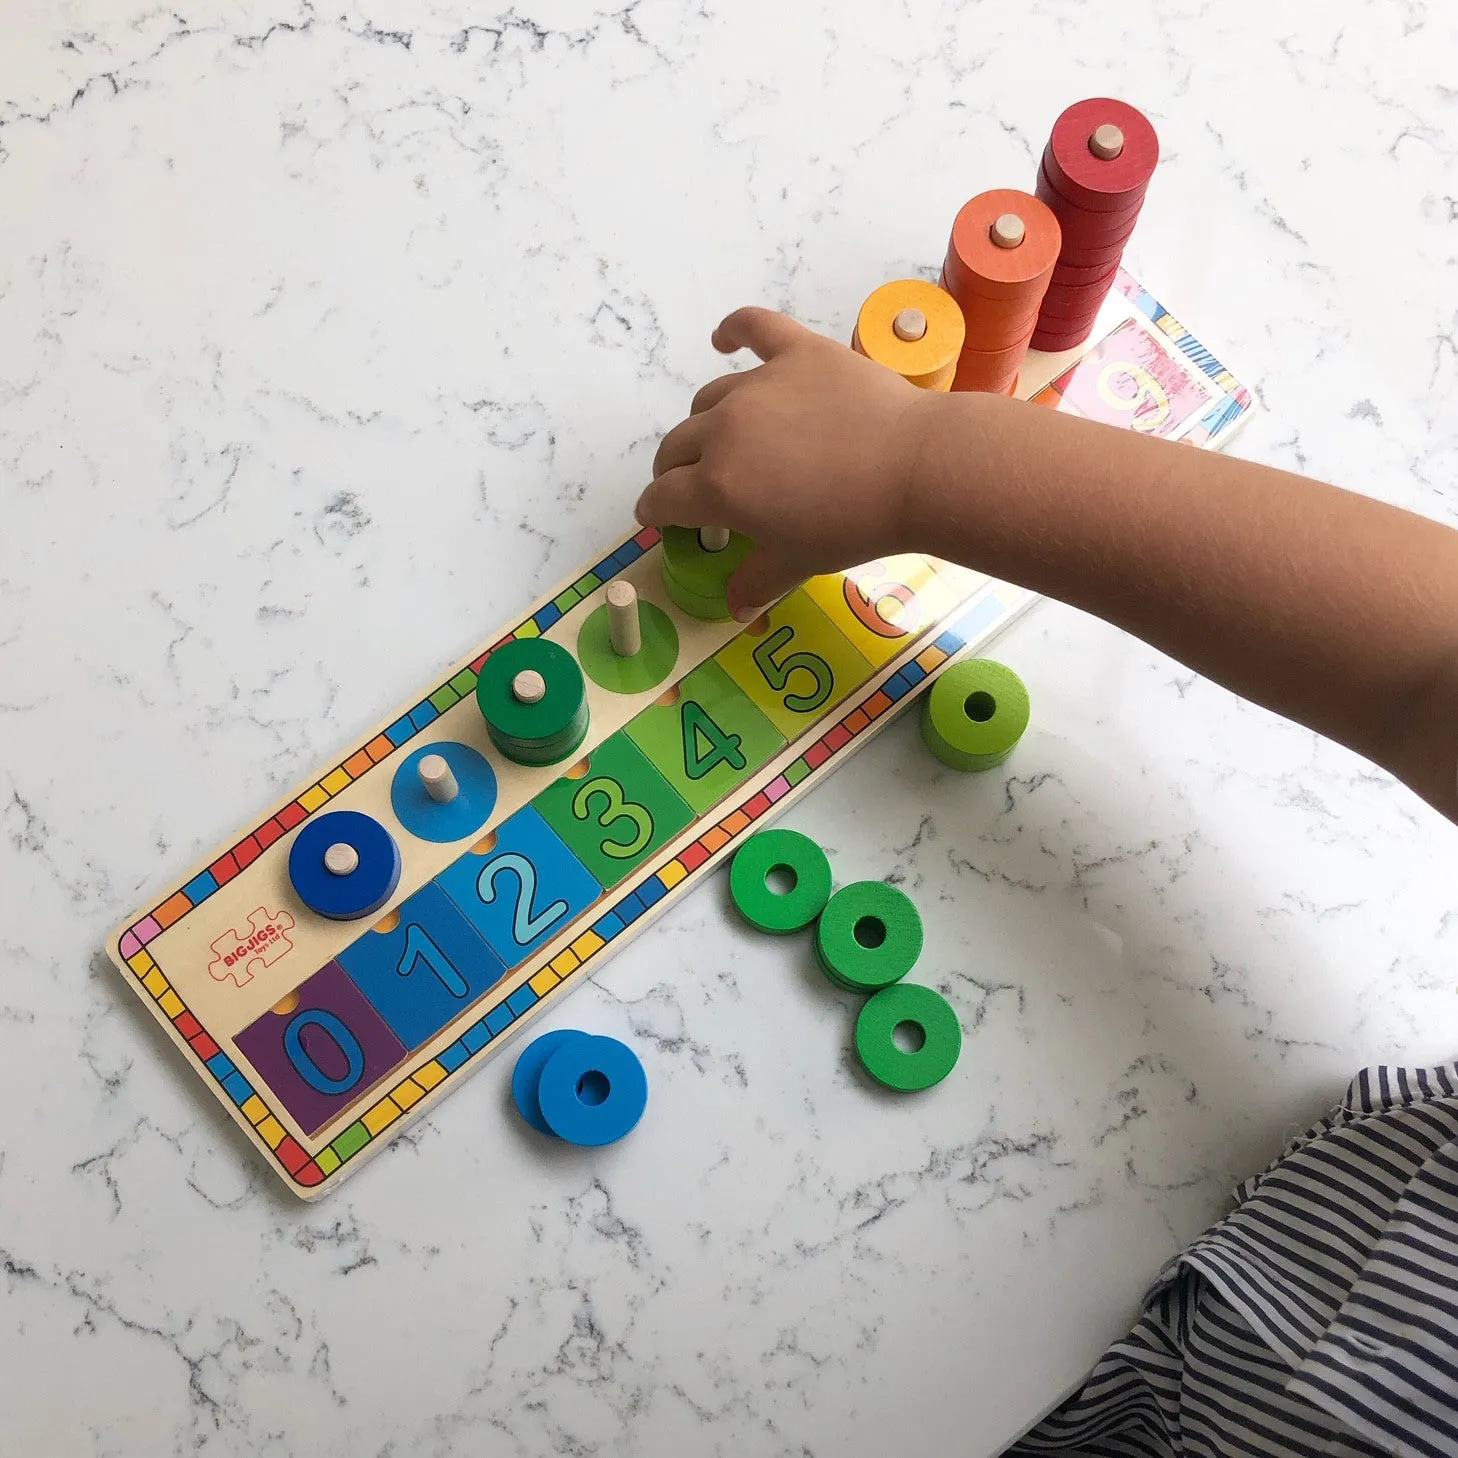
975,714
696,579
646,669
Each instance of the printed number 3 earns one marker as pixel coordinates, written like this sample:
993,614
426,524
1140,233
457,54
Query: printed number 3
420,948
616,809
777,674
525,927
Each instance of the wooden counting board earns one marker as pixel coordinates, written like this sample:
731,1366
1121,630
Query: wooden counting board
325,1037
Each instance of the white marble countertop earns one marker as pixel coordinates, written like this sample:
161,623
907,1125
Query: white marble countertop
328,337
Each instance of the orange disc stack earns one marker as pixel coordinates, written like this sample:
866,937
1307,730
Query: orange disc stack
1001,257
1095,172
912,327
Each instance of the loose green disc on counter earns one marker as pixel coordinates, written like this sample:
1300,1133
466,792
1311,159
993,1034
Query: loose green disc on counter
869,936
543,732
645,669
975,714
800,859
923,1009
697,579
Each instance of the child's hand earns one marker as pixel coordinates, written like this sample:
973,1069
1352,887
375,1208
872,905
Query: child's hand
811,454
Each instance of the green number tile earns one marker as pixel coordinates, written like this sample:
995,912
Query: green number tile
708,742
616,815
798,668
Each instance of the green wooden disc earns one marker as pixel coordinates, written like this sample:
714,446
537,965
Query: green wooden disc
876,1026
975,714
697,580
869,936
646,669
553,726
779,850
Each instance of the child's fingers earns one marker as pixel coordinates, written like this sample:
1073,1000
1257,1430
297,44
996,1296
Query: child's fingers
763,577
716,390
682,446
675,498
764,331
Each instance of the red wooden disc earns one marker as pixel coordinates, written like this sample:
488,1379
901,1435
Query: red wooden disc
1050,343
976,264
1073,275
1073,303
1089,180
1083,227
1092,257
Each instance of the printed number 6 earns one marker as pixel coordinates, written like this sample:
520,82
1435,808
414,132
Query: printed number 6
614,810
777,674
525,928
864,595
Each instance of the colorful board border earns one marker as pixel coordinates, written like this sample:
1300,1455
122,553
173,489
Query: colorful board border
626,908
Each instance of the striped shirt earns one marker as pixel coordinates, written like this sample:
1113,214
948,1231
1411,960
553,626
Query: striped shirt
1319,1317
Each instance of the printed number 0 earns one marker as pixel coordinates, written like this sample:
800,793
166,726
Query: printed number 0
777,675
616,809
420,948
334,1028
1148,392
525,927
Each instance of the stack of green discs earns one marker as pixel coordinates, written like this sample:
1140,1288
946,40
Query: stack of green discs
534,701
868,936
975,714
697,576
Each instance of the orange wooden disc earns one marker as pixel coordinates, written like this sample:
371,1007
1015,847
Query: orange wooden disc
981,266
995,323
926,361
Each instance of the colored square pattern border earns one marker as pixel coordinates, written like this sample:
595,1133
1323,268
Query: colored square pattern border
459,686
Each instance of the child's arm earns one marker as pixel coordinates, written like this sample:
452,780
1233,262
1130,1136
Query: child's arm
1328,607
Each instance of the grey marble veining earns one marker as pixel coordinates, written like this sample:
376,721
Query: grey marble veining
328,337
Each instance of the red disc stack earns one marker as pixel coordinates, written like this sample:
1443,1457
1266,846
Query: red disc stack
1095,172
1001,256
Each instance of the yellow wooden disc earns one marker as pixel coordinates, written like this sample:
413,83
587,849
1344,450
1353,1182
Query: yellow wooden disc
925,361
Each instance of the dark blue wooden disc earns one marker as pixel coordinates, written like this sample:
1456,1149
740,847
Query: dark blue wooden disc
366,888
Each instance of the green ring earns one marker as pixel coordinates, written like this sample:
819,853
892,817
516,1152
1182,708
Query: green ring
557,721
876,1047
646,669
967,743
770,910
850,963
697,580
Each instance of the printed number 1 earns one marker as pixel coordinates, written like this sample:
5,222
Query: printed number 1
777,674
525,928
420,948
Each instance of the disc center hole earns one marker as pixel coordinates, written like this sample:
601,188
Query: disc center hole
909,1037
593,1087
980,707
781,880
870,932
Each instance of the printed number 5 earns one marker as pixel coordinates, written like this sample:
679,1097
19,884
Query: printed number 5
777,674
613,811
525,928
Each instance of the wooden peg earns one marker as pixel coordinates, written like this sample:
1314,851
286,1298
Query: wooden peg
529,687
440,784
713,539
909,325
1107,142
341,859
1007,230
625,626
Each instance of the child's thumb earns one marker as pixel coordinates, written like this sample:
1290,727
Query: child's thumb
762,578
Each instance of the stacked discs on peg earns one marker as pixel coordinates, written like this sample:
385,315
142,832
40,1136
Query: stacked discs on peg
914,328
1094,174
1001,256
697,565
344,865
534,701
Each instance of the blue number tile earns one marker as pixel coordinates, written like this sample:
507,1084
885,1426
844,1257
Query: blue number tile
476,1037
521,1000
629,909
914,672
546,616
400,731
949,642
524,891
427,971
650,891
607,927
423,713
237,1088
200,887
452,1057
220,1066
499,1018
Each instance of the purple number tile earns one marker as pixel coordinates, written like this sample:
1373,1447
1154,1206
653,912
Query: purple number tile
320,1056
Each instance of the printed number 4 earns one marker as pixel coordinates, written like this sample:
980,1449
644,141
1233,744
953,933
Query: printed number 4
777,673
616,809
420,948
525,928
723,747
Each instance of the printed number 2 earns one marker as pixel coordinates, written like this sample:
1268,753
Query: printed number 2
420,948
525,927
616,809
721,746
777,674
